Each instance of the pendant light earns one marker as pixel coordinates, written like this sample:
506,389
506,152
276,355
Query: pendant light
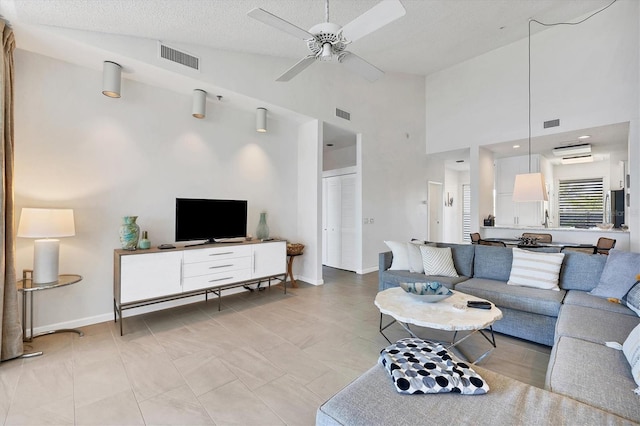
111,77
529,186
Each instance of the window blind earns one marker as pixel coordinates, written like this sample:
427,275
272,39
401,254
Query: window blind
466,213
581,202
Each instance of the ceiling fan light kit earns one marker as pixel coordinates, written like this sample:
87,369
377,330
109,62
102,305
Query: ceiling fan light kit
327,40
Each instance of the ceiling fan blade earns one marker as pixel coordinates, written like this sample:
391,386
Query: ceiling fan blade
358,65
377,17
279,23
297,68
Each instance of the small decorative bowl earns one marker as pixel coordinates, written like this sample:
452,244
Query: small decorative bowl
605,226
427,292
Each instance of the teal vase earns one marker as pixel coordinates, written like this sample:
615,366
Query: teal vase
262,233
129,233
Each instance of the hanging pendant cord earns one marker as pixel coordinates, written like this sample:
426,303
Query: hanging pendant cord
529,55
326,10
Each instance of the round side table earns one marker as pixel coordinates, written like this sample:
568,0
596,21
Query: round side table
27,287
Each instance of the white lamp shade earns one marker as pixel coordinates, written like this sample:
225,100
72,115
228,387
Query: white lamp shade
199,109
46,223
261,120
111,78
529,187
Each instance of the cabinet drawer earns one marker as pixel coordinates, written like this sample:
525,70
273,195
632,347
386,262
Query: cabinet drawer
203,255
213,280
216,266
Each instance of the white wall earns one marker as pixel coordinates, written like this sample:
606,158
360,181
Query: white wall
585,75
107,158
339,158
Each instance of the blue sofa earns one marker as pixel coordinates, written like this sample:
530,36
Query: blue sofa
587,382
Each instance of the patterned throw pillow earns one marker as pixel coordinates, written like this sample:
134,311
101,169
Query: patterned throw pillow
438,261
631,350
633,298
417,366
535,269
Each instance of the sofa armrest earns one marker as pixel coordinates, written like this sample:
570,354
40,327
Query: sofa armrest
384,263
384,260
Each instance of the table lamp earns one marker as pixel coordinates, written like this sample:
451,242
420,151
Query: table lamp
46,225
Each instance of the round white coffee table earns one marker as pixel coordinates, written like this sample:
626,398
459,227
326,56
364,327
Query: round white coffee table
407,310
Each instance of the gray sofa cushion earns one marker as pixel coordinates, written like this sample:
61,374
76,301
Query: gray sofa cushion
372,400
463,255
594,374
583,298
533,300
581,271
533,327
493,263
594,325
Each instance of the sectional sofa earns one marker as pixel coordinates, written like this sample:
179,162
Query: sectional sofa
587,381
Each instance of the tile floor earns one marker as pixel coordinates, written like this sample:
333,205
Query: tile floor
265,359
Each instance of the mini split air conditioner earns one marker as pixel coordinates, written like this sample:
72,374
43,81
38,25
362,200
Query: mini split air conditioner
578,159
572,150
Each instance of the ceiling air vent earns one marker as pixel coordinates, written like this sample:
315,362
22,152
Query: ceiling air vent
179,57
343,114
551,123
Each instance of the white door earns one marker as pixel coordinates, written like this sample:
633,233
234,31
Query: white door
334,219
436,203
325,224
339,229
348,222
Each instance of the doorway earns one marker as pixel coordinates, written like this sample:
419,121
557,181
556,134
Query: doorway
435,202
341,199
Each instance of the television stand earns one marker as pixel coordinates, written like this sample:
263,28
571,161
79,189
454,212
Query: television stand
147,277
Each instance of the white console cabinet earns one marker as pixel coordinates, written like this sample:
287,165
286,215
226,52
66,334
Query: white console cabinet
145,277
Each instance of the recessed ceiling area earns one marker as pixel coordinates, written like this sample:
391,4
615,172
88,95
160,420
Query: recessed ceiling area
603,141
335,137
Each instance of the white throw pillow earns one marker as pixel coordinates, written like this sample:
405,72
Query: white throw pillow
415,256
535,269
400,260
438,261
631,350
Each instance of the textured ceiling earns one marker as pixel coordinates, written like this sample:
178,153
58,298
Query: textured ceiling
434,34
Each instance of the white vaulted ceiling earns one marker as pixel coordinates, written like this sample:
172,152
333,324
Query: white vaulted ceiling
433,35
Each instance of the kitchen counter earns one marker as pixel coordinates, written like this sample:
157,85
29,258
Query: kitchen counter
565,235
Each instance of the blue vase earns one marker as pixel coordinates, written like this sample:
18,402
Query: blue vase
262,233
129,233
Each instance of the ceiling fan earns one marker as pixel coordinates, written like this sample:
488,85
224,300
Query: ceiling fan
327,40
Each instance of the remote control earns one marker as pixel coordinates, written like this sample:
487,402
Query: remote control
478,304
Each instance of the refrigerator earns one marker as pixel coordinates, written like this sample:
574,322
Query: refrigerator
617,207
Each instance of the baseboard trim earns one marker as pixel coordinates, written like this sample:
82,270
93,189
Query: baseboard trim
367,270
83,322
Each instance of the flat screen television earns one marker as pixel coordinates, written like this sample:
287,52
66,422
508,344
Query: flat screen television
210,220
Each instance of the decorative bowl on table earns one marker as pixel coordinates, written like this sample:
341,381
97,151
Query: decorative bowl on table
427,292
605,226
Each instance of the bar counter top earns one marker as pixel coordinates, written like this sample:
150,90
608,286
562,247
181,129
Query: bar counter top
561,235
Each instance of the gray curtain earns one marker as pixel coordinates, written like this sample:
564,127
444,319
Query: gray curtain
11,330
